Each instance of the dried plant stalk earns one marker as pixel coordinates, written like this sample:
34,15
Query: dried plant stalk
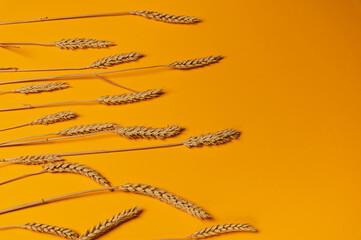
101,63
44,228
181,65
106,100
168,198
75,43
211,139
48,119
38,88
168,18
218,230
109,224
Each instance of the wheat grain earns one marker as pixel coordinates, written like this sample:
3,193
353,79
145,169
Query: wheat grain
136,132
82,43
58,231
166,197
222,229
76,168
86,129
168,18
116,59
109,224
211,139
34,159
54,118
37,88
195,63
129,97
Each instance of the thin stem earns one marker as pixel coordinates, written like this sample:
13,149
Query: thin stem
42,70
26,43
19,126
77,75
8,46
45,19
111,82
9,227
18,139
21,176
174,238
44,105
7,91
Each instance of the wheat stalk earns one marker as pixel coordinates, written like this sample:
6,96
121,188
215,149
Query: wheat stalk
218,230
180,65
134,132
38,88
100,63
168,18
44,228
66,168
106,100
142,189
74,43
48,119
34,159
109,224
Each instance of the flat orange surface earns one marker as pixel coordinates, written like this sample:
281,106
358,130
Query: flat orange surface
290,81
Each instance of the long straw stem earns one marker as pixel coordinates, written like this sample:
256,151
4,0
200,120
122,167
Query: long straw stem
44,105
18,139
26,43
77,75
42,70
21,176
8,46
19,126
9,227
46,19
115,84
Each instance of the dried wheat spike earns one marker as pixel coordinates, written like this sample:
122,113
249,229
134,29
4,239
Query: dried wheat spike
195,63
221,229
109,224
211,139
168,18
37,88
66,167
54,118
82,43
34,159
116,59
166,197
129,97
148,133
86,129
58,231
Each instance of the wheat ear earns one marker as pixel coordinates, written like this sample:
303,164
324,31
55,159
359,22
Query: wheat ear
38,88
106,100
168,18
134,132
147,190
34,159
48,119
67,168
109,224
101,63
218,230
74,43
44,228
181,65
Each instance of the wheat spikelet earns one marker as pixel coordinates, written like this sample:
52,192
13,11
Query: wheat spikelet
82,43
110,223
77,169
166,197
34,159
86,129
210,139
148,133
54,118
130,97
37,88
116,59
168,18
195,63
222,229
58,231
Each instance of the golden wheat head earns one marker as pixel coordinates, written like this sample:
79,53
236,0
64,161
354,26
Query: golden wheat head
110,223
86,129
195,63
34,159
37,88
137,132
58,231
54,118
130,97
82,43
166,197
116,59
221,229
211,139
168,18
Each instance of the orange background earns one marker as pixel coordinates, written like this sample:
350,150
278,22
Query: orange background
290,81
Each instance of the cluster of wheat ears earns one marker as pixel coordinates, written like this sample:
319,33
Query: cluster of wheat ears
55,162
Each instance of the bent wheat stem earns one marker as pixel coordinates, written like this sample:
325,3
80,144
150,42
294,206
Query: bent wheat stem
21,176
